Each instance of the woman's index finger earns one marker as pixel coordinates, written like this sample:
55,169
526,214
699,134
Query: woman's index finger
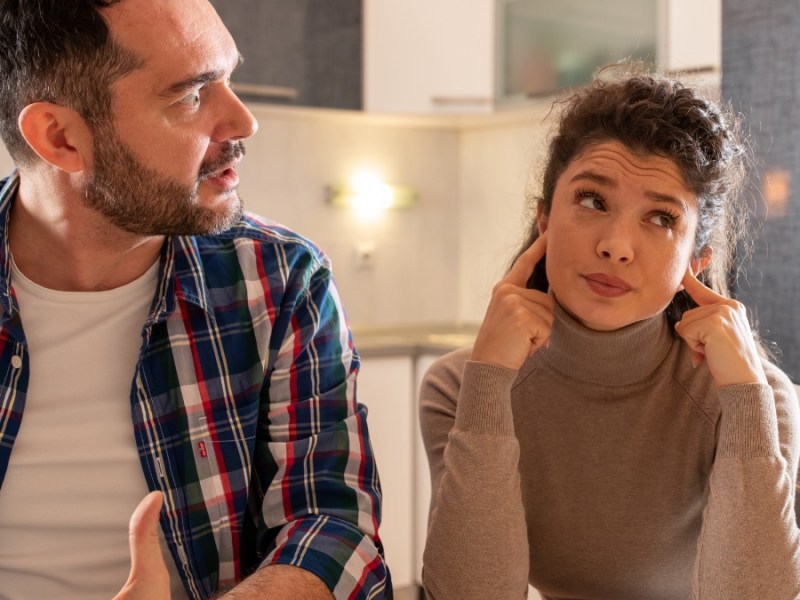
523,267
700,293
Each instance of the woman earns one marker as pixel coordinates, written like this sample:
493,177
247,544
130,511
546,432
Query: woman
606,436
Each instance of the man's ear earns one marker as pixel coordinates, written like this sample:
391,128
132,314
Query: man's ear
541,218
59,135
701,262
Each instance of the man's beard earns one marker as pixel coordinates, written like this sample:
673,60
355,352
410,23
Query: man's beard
139,200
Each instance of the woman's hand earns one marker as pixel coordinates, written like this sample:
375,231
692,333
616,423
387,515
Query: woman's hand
718,330
518,321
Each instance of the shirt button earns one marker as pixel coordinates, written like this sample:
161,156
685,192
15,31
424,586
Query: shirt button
16,361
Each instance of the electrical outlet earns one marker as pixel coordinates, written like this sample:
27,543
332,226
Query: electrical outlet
364,255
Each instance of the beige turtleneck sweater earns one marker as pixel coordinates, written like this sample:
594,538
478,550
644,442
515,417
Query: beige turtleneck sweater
609,468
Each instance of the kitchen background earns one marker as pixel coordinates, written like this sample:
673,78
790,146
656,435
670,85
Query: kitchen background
451,99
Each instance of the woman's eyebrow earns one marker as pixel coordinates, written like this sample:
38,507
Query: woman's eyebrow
595,178
667,198
612,183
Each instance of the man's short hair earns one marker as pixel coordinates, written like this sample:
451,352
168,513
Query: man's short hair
57,51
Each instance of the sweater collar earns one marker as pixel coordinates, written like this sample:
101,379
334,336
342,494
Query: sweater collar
613,358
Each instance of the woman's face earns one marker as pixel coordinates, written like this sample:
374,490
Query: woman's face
620,235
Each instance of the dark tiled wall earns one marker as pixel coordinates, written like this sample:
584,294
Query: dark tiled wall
761,77
311,46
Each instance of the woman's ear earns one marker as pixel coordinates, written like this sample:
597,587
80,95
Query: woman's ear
57,134
701,262
541,219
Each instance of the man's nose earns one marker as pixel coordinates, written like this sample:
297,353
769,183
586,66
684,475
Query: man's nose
236,121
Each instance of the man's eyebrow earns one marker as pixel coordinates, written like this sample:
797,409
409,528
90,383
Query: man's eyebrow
609,182
197,81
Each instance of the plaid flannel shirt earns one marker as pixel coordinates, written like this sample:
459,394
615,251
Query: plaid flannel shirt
244,411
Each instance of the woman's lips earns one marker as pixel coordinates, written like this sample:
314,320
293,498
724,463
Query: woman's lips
607,285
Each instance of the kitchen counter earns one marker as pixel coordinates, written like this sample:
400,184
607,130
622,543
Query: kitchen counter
414,340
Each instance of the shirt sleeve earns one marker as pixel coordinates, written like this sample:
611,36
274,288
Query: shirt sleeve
324,499
477,545
749,546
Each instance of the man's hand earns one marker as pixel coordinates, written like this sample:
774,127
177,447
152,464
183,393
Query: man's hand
518,321
149,578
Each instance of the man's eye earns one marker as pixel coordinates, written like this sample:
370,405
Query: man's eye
191,99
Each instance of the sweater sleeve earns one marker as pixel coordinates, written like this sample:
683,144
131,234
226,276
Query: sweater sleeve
477,544
749,546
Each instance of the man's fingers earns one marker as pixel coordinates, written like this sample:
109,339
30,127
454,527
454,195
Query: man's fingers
698,291
149,577
523,266
143,535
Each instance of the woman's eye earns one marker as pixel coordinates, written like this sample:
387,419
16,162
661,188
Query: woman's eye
665,220
191,99
591,201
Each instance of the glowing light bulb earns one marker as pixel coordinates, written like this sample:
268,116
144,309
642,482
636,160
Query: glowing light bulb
371,195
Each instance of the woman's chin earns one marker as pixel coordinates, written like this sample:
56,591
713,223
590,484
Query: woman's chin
605,319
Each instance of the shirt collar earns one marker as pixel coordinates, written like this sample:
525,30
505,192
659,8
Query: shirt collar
181,273
182,277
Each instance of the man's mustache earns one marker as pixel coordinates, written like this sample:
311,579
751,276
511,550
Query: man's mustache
231,151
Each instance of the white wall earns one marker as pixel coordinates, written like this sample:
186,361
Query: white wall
415,277
499,159
436,262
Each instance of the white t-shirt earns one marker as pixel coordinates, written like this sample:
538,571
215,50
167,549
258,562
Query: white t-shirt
75,477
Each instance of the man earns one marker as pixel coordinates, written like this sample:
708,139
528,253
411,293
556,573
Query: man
154,338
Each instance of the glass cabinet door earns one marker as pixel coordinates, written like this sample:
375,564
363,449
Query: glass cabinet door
545,46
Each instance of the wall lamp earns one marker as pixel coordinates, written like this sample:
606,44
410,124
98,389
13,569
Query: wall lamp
369,196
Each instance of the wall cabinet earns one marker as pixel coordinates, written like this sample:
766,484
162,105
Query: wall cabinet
297,52
472,56
692,35
452,56
428,56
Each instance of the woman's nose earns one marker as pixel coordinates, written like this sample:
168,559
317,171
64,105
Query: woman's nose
616,243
